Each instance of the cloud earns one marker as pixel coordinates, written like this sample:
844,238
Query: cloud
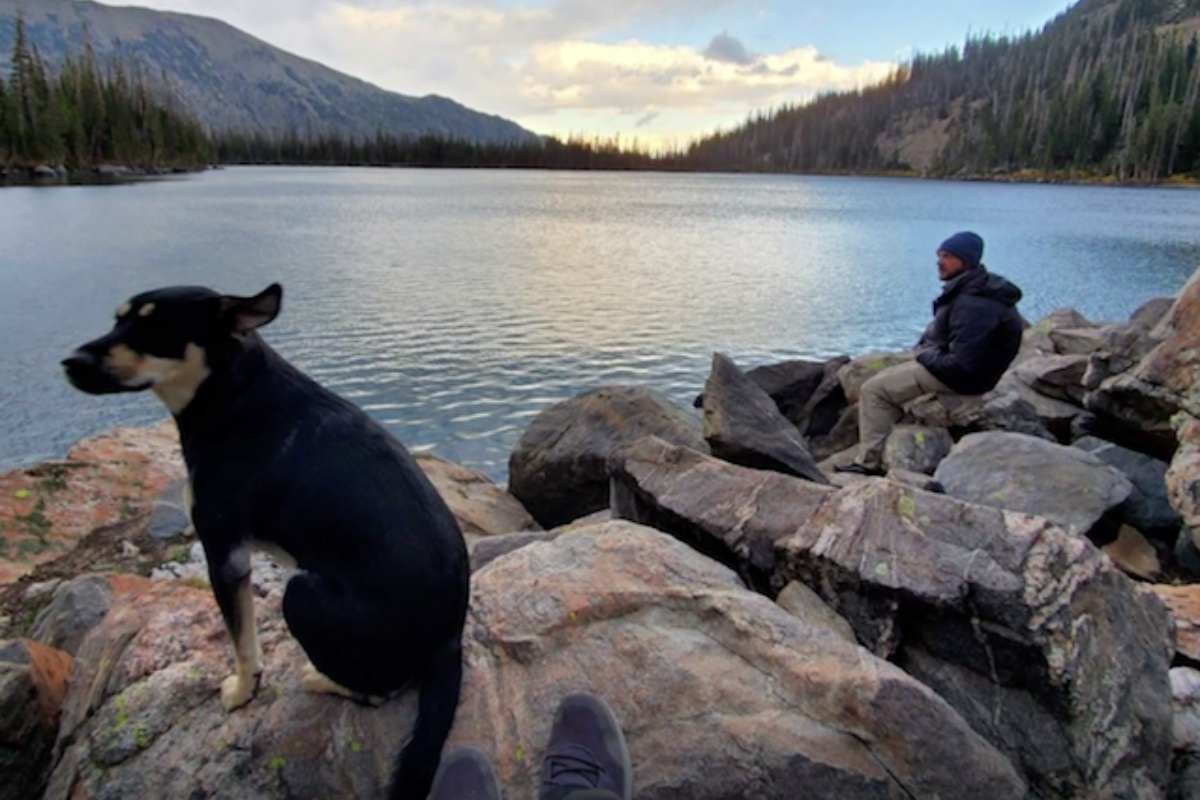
638,75
555,66
646,119
726,48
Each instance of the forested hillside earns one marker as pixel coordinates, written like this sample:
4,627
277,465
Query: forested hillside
1107,89
82,116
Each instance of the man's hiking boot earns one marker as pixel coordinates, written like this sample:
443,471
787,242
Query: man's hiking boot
586,757
465,774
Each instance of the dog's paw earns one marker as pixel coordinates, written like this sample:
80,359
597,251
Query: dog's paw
313,680
237,691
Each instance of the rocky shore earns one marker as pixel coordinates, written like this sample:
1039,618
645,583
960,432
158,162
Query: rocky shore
45,174
1013,612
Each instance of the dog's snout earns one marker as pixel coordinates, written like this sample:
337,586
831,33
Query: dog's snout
80,360
85,371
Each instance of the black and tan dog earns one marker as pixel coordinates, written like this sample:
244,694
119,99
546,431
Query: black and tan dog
277,462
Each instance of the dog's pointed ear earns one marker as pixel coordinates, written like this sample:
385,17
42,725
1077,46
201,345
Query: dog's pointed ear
245,314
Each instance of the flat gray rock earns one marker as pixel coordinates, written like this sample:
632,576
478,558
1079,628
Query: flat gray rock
1013,471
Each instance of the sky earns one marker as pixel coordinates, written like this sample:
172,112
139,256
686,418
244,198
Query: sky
659,73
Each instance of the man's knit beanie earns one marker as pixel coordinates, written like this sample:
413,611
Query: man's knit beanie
966,246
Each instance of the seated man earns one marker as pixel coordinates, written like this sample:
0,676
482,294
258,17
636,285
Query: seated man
974,336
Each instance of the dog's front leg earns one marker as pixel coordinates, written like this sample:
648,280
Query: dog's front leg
230,577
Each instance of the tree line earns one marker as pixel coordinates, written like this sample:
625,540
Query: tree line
384,149
82,117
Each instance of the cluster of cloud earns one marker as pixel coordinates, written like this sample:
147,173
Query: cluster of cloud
568,68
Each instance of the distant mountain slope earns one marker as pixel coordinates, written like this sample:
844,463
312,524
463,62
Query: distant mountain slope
232,81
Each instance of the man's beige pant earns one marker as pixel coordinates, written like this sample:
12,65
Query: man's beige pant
881,406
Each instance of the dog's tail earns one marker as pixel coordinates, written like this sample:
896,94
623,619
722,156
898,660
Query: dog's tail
418,761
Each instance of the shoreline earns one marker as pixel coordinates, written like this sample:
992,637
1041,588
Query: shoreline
45,175
102,175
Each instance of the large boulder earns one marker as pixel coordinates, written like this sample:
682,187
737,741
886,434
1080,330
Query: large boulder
1059,377
558,468
33,686
1016,472
77,606
807,392
1038,337
1133,554
480,506
1029,631
1183,477
1051,413
1166,380
743,425
1049,651
1127,344
1078,341
813,400
734,516
994,411
843,435
1137,412
916,448
46,509
1037,341
1185,687
1150,314
1174,365
1184,605
720,692
1148,508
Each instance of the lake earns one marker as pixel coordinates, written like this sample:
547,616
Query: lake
454,305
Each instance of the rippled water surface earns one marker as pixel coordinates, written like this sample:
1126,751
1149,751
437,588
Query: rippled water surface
455,305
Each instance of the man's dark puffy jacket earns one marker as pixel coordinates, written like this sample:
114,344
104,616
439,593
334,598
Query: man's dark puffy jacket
975,333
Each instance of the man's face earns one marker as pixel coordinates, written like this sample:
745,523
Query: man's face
949,266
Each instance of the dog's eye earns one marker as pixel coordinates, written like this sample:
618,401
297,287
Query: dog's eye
149,324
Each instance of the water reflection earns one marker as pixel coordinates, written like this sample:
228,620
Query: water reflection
454,306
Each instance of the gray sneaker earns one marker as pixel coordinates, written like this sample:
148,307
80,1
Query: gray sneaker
465,774
586,756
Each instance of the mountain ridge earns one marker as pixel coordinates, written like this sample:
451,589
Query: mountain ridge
233,81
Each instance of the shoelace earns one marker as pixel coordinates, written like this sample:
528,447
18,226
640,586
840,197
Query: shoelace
572,766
